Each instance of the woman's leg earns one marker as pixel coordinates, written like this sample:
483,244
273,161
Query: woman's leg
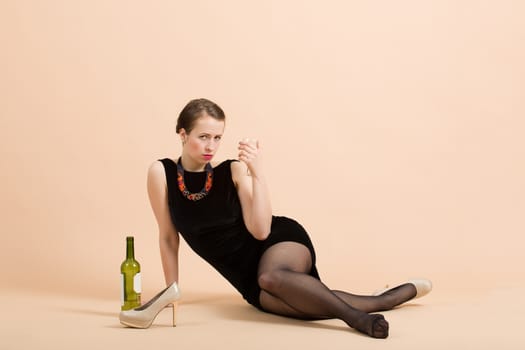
289,291
366,303
383,302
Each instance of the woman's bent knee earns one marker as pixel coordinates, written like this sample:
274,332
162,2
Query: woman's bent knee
271,280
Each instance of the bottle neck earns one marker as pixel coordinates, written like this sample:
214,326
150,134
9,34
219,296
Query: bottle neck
130,249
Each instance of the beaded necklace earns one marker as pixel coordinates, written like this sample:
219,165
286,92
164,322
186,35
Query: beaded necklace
207,185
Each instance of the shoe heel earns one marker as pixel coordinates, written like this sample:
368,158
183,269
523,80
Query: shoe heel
143,316
174,306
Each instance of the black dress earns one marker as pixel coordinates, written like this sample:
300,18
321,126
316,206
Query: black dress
214,228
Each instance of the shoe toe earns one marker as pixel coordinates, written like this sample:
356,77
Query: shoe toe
423,286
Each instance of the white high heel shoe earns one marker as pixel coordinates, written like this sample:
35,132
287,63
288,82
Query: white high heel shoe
423,287
143,316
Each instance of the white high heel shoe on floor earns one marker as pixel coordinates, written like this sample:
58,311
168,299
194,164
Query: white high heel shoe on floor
423,287
143,316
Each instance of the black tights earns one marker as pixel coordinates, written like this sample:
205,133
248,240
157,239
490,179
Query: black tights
288,290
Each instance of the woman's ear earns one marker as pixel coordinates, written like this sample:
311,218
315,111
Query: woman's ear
183,135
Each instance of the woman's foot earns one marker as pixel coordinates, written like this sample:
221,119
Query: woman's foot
422,287
374,325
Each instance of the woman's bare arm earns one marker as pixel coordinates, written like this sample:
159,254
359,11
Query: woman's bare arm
252,190
168,235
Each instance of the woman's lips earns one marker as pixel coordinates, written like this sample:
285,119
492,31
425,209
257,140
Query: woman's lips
207,156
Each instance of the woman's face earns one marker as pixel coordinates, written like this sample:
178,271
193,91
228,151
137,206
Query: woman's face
201,144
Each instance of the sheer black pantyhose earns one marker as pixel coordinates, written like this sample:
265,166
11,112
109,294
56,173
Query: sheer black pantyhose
384,302
288,290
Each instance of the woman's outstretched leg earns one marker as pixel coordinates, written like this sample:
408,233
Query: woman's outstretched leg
289,291
383,302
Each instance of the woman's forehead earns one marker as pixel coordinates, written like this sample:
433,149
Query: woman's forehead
209,124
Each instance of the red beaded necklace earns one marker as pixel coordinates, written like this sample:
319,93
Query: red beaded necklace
207,185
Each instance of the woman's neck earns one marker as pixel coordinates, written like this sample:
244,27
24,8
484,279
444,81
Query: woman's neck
190,165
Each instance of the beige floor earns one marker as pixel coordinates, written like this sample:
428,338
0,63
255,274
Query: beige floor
485,319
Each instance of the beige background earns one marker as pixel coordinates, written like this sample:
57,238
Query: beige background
392,130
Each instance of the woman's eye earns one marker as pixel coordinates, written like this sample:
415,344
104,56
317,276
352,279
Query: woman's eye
203,137
217,138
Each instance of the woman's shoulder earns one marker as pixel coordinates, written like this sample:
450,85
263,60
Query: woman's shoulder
224,163
164,161
157,168
236,165
238,169
156,179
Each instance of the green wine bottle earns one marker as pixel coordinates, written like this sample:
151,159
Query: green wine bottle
130,278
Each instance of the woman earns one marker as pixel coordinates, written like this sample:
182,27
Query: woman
223,211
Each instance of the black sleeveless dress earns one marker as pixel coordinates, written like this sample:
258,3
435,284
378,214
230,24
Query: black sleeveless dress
214,228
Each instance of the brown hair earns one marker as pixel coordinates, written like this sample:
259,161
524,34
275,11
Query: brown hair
194,110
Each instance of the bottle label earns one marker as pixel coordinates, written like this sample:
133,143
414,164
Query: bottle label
137,283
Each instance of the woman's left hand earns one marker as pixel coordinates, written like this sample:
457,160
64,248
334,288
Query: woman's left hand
249,153
253,192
